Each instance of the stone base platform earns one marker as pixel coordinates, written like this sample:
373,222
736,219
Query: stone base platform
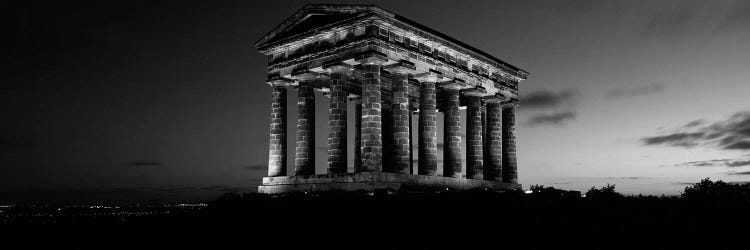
371,181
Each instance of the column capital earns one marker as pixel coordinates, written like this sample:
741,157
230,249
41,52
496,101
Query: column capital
278,81
402,67
494,99
431,76
337,67
476,91
510,103
304,74
455,84
371,58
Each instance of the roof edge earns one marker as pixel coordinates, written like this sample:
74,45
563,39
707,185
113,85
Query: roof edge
312,8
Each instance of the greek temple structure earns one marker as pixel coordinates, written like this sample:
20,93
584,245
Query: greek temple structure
390,69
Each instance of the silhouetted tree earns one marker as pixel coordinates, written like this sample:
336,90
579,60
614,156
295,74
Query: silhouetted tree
707,190
550,192
606,192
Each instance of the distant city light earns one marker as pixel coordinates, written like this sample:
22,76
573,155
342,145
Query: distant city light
192,205
528,192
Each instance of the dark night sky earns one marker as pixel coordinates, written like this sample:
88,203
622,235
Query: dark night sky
138,100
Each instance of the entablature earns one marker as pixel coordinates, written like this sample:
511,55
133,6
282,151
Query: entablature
399,39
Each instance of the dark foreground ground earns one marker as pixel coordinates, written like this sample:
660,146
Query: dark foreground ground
706,209
467,210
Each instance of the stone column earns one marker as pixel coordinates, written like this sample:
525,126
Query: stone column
277,142
387,136
427,129
452,133
372,141
358,135
401,119
304,162
493,143
485,136
337,133
400,152
474,148
510,172
411,143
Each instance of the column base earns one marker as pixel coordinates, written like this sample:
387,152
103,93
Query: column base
371,181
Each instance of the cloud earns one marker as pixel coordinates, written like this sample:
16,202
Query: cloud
552,119
672,22
143,164
739,173
742,145
684,183
676,139
635,90
732,163
548,99
694,123
730,134
738,163
676,20
627,178
737,20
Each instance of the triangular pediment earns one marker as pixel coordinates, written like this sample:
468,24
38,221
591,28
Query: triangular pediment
314,16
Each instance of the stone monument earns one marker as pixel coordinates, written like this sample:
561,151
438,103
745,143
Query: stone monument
391,68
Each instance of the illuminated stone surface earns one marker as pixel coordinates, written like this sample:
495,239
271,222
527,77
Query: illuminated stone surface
493,142
510,172
452,134
427,130
367,181
400,120
337,136
305,155
277,140
390,67
474,152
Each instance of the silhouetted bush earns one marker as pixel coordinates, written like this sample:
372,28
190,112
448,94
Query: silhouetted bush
604,193
719,191
540,191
